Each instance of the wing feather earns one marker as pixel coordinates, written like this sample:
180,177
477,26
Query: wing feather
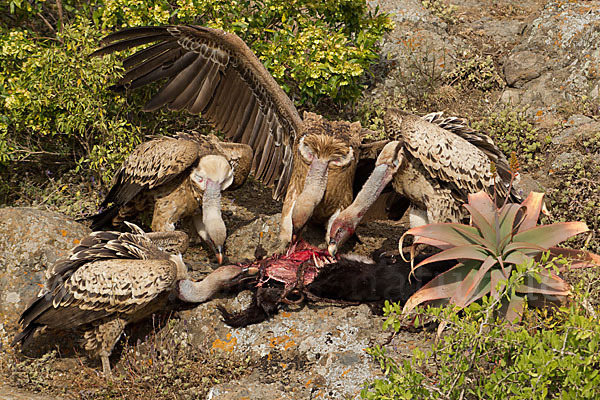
483,142
234,93
445,155
103,288
150,165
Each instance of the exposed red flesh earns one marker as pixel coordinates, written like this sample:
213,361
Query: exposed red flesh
284,267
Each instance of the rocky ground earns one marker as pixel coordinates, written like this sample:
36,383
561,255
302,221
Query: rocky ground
528,71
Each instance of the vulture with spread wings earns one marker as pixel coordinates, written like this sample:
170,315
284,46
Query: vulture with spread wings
435,163
180,176
310,161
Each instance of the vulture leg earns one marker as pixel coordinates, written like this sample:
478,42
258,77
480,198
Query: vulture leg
417,217
106,366
108,335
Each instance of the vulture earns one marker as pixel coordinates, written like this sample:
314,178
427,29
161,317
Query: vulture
178,176
311,161
435,163
109,280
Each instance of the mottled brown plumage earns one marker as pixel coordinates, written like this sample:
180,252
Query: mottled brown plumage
110,280
215,74
435,163
176,176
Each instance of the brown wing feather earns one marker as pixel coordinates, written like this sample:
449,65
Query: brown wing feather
106,287
158,161
444,155
149,165
483,142
215,73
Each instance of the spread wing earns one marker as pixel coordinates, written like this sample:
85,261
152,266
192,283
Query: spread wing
149,165
101,289
215,73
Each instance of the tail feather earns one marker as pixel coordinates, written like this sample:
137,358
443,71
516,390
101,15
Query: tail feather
26,334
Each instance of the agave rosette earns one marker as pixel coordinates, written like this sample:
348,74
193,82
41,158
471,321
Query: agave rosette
488,250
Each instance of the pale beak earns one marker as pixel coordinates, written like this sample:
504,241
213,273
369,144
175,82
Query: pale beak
219,254
332,248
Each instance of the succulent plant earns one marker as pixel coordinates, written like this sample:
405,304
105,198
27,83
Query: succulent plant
487,251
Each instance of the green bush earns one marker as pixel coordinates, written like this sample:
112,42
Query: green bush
555,354
475,72
315,50
55,104
55,110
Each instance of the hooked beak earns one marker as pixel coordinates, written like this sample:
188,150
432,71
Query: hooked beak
219,254
332,248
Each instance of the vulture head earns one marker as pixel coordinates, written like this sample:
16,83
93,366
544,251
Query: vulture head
342,224
212,175
324,166
224,276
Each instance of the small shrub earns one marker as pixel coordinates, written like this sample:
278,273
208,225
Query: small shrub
55,103
554,354
420,74
440,9
475,72
512,132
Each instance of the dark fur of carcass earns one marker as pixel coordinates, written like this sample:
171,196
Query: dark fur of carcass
349,280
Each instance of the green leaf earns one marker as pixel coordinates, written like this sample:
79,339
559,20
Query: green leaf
578,258
451,233
465,293
521,246
506,222
517,258
551,235
442,286
514,310
486,227
497,276
484,205
533,205
549,284
471,252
